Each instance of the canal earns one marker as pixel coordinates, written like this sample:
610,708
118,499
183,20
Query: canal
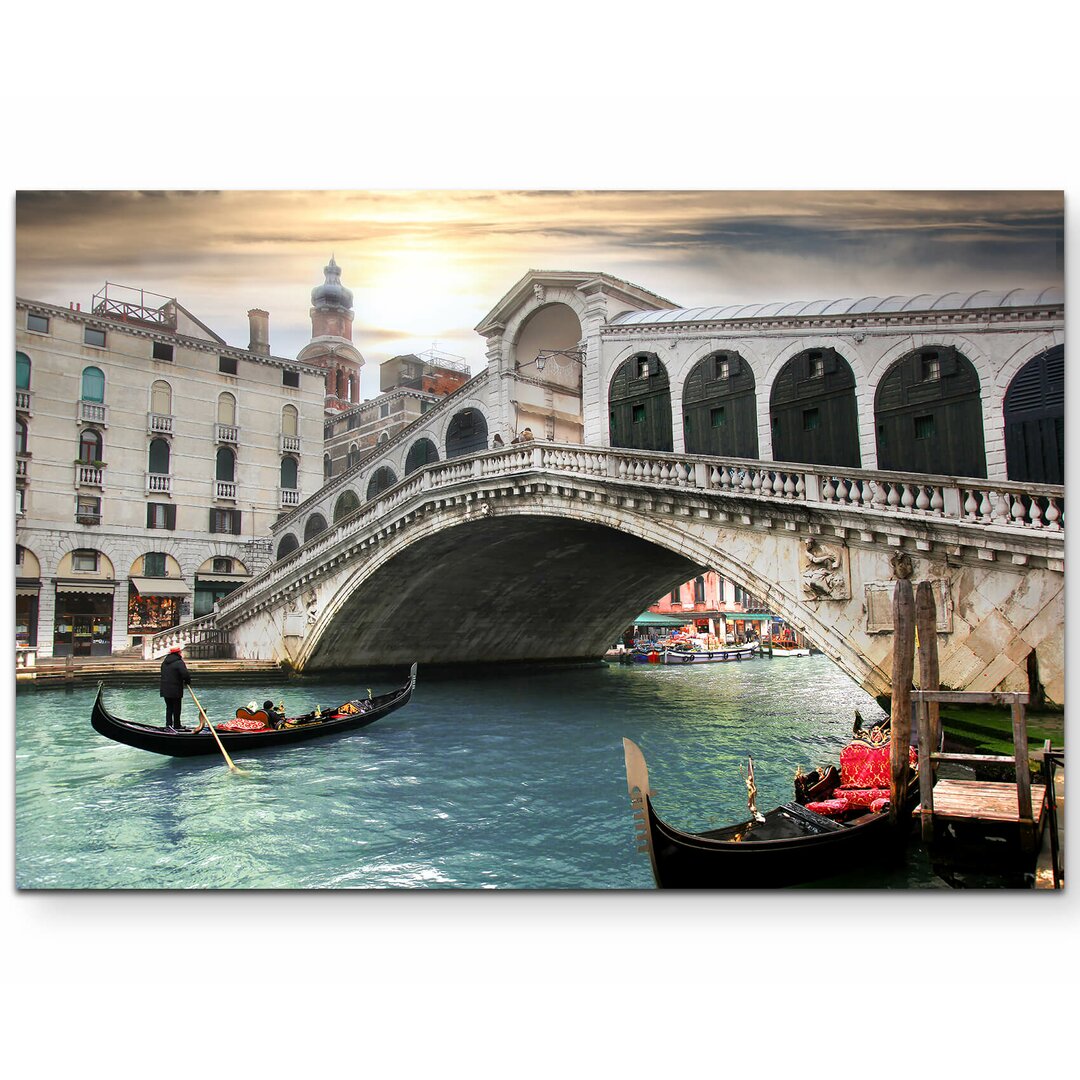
509,781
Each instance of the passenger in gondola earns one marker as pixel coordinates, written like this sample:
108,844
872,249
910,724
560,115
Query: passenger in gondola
274,718
174,677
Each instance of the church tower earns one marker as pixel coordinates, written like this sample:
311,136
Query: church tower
331,345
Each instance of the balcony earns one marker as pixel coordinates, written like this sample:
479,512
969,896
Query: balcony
290,444
89,475
289,497
88,519
227,433
24,400
159,424
225,489
93,412
158,484
22,466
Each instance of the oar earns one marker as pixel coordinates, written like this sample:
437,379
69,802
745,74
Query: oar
217,739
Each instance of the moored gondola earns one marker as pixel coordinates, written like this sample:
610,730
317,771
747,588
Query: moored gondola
793,844
348,716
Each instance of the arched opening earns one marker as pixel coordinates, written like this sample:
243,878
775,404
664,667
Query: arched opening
639,405
327,467
315,524
720,407
22,371
20,438
225,465
226,410
813,411
1035,420
468,432
158,457
353,457
346,503
90,449
422,452
288,473
93,384
161,398
287,545
289,421
928,414
381,479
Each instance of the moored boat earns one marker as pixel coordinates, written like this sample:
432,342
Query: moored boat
829,828
711,656
257,734
788,650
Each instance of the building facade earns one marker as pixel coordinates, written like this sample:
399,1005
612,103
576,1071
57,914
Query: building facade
717,607
152,459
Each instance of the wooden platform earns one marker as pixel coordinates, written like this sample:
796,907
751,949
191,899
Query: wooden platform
980,800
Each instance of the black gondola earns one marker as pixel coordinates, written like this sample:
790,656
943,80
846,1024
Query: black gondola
789,845
348,716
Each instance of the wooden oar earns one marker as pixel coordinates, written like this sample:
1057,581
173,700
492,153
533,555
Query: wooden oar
217,739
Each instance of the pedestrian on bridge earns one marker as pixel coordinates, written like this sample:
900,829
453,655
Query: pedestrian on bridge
174,677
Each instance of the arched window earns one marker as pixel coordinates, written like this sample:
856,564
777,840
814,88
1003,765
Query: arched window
381,479
226,409
422,452
327,467
20,437
467,433
22,371
315,524
287,545
161,398
226,465
289,421
288,472
90,446
159,457
354,456
699,590
384,437
347,502
93,384
1035,420
639,405
720,407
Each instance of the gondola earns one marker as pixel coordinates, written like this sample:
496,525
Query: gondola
789,845
348,716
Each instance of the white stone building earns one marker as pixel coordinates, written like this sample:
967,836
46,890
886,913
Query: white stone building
152,459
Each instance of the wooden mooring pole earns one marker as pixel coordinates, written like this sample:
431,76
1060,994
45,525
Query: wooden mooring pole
929,712
903,668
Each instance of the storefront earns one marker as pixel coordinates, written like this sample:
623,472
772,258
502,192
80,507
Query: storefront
155,605
210,588
26,612
84,619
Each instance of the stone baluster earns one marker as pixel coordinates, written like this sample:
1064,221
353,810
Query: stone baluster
828,492
1035,513
1019,511
800,487
1001,507
789,487
907,500
1053,515
937,501
922,502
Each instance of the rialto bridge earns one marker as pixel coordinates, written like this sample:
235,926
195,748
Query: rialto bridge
655,430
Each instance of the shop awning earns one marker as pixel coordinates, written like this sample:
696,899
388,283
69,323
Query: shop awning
736,616
648,618
85,587
221,579
155,586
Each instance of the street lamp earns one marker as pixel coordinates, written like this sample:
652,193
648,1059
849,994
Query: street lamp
577,354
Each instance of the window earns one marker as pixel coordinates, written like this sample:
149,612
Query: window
676,595
226,365
288,473
162,350
159,457
354,422
160,516
290,378
225,466
384,409
93,337
699,590
38,323
384,438
84,561
639,414
930,366
811,419
723,367
354,456
88,510
327,467
223,566
642,367
89,446
19,552
289,421
93,384
720,589
161,398
817,365
924,427
20,500
20,437
226,410
225,521
153,564
425,406
718,416
22,371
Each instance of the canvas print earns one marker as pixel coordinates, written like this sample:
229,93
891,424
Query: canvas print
539,540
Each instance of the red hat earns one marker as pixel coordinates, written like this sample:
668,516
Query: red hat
176,649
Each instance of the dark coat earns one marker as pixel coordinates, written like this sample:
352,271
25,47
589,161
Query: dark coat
174,675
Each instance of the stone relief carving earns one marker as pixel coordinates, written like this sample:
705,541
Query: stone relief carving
824,574
538,292
878,607
901,565
311,602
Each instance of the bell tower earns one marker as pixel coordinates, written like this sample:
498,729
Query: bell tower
331,345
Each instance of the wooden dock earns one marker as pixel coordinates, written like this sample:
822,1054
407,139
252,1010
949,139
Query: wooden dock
982,800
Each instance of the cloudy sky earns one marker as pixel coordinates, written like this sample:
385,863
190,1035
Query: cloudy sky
426,266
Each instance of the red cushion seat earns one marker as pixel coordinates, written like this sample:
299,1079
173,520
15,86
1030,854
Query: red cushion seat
829,807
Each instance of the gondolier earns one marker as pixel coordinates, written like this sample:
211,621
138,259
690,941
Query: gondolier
174,677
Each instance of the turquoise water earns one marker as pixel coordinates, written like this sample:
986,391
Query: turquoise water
494,782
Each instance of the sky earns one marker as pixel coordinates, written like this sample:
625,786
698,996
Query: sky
426,266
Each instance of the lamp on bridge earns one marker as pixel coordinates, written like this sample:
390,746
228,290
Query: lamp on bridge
577,354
